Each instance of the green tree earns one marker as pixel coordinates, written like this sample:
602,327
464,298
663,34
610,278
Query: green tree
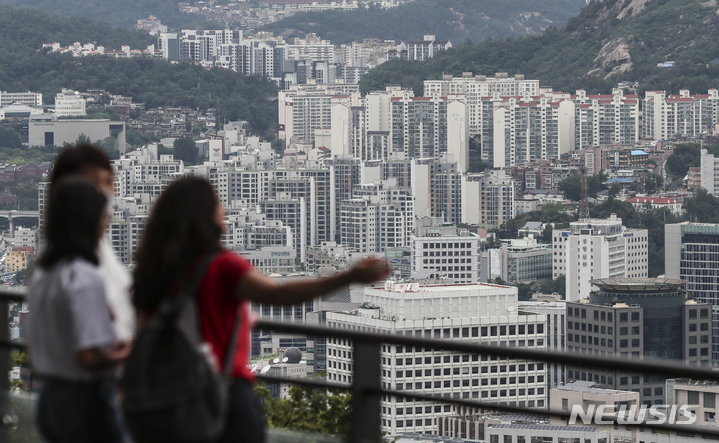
308,409
685,156
9,138
186,150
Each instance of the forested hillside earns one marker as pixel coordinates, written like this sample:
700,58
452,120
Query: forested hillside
23,67
455,20
610,41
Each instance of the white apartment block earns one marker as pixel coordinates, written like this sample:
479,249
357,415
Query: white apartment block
391,122
481,85
606,119
527,129
668,117
451,257
311,48
69,103
427,127
303,109
427,47
597,248
377,219
709,173
488,198
24,98
485,314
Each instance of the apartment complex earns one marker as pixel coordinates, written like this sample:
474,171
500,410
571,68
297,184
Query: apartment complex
684,115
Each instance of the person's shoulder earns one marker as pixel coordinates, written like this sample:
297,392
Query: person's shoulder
80,272
229,260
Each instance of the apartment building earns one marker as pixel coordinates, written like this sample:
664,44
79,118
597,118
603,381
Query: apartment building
527,129
666,117
471,313
595,249
709,173
305,108
605,119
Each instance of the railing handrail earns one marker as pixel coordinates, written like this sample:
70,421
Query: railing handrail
665,368
703,431
629,365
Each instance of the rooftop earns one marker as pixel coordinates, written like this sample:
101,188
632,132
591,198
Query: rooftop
638,284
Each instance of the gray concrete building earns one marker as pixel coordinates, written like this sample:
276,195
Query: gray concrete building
47,130
638,318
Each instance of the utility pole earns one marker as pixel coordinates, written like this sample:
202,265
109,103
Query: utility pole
584,197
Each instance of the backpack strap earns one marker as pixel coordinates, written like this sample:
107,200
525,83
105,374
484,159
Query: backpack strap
191,288
194,282
230,354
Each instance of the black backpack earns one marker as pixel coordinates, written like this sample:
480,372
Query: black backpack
172,392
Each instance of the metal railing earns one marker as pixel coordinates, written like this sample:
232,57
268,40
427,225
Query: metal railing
366,388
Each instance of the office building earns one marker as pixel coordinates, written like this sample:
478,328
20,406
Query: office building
70,103
690,254
555,312
449,253
33,99
47,130
597,248
467,313
641,318
518,261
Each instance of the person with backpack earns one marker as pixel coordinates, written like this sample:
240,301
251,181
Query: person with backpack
71,341
181,236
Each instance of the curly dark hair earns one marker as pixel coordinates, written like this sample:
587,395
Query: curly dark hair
73,217
180,229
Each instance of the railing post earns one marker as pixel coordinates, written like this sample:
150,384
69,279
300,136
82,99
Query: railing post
366,372
6,415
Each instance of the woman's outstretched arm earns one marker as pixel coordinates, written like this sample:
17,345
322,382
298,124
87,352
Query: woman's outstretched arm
258,288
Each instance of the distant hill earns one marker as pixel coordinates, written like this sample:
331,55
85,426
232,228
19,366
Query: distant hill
608,42
25,67
455,20
121,13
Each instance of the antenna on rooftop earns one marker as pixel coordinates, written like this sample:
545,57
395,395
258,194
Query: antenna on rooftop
584,198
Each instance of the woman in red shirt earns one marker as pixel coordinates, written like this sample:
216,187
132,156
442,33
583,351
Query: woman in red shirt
186,224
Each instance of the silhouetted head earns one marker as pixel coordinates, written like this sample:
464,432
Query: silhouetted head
74,221
87,160
182,226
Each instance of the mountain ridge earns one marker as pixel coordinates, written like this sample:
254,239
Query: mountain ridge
608,42
455,20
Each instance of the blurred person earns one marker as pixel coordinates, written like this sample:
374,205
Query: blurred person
91,162
71,341
185,225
